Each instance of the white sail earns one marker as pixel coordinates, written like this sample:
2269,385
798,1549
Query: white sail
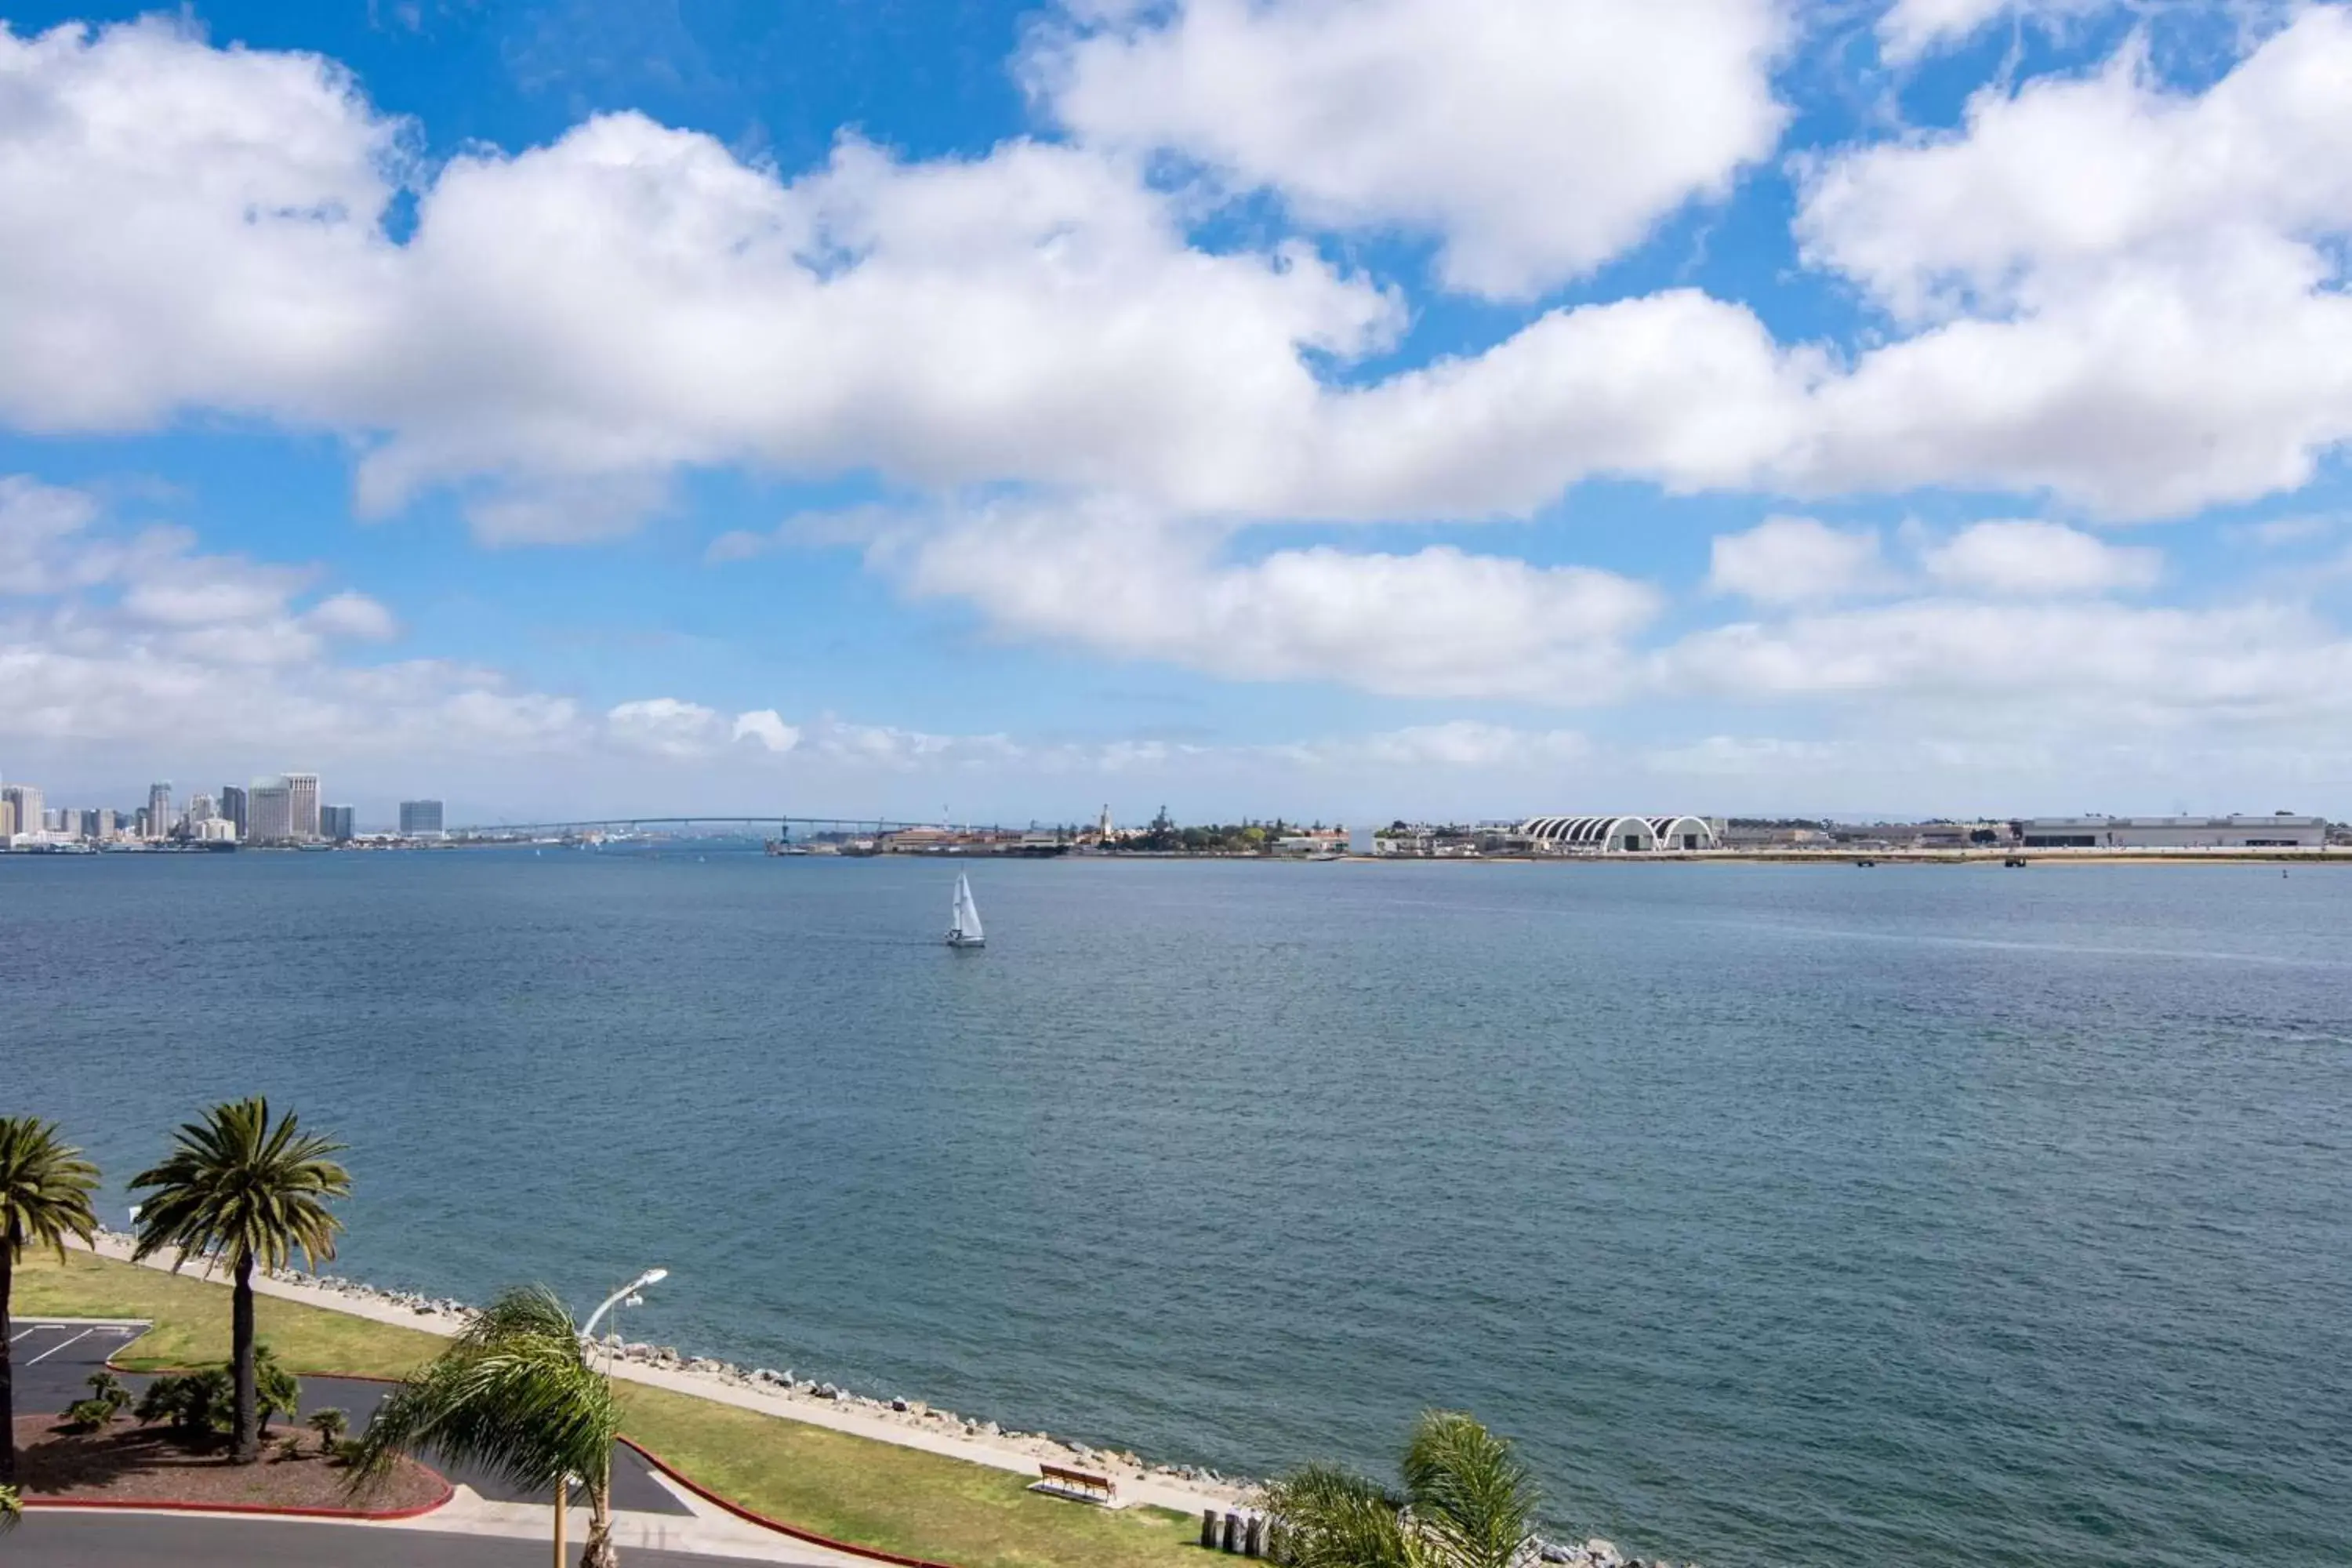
963,926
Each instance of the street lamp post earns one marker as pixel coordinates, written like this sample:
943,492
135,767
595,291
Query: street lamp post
587,1336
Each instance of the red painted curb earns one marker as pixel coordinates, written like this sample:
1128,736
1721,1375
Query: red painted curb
351,1516
871,1553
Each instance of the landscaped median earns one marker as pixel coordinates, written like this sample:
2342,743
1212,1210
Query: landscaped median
848,1488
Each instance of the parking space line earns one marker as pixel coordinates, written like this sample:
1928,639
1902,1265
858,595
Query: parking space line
56,1347
20,1333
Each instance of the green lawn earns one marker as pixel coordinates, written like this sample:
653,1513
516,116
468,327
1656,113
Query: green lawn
852,1488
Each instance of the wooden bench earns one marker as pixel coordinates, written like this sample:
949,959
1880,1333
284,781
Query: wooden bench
1079,1486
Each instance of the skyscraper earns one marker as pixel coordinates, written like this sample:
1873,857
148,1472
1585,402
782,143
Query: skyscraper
335,824
232,807
159,810
7,818
27,800
269,805
302,791
419,817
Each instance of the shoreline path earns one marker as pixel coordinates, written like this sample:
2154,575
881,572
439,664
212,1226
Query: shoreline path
1018,1455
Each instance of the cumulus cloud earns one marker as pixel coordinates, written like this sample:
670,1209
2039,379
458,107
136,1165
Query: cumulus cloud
1535,139
664,726
1439,622
566,327
2026,558
1790,560
353,615
2129,295
2095,665
767,727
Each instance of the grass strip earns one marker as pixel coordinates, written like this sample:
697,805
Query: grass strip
849,1488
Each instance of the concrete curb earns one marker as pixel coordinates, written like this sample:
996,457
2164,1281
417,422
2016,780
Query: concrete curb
750,1516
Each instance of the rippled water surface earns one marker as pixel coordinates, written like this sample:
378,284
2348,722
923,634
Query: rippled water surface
1786,1214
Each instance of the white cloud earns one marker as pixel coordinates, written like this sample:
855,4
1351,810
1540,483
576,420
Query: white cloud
2091,667
1537,139
567,326
664,726
1457,744
353,615
215,590
1790,560
2026,558
1911,28
2131,294
767,727
1436,623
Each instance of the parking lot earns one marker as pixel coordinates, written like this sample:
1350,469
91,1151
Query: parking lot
53,1361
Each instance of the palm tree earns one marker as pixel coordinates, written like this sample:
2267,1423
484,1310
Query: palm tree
1467,1503
518,1394
252,1191
45,1188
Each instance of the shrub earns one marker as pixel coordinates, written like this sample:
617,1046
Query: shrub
88,1415
107,1389
330,1424
191,1403
12,1509
275,1391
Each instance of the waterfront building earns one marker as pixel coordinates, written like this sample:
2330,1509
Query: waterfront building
159,810
419,818
302,803
232,807
2281,830
269,808
200,811
215,830
1619,835
7,818
335,824
26,819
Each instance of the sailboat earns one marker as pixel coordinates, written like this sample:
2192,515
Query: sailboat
963,926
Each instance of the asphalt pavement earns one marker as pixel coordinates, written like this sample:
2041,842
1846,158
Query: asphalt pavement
182,1541
53,1364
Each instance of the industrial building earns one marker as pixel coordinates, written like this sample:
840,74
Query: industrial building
2282,830
1619,835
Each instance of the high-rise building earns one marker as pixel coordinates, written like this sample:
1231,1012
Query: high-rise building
269,812
419,817
302,803
200,810
7,818
139,823
335,824
232,807
159,809
27,799
98,825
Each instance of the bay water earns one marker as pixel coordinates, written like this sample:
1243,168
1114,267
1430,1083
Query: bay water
1783,1215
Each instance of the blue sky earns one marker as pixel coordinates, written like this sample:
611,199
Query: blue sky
1284,406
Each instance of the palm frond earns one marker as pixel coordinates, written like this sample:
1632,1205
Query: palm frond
1330,1517
515,1393
45,1188
1467,1491
252,1188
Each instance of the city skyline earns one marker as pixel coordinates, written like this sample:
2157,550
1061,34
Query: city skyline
1751,406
